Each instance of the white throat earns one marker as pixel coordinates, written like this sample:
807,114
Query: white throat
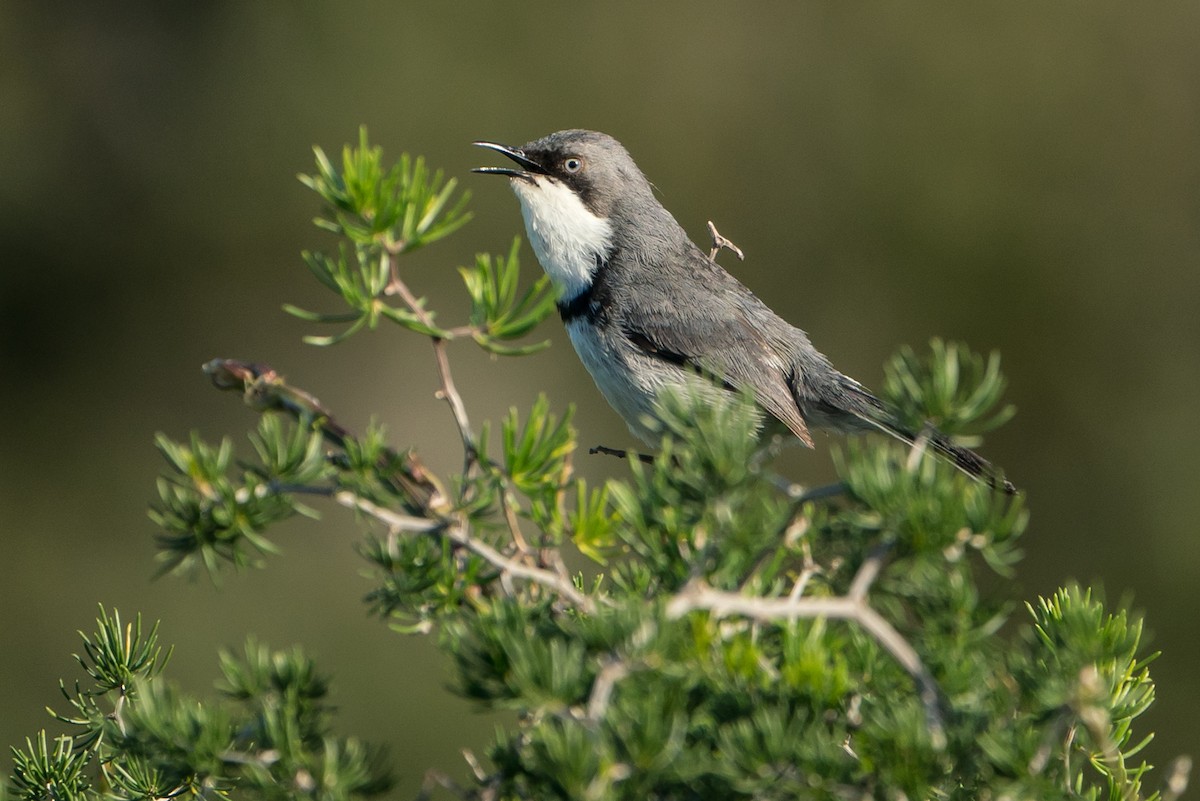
564,234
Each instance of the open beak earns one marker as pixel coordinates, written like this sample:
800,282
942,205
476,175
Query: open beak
530,167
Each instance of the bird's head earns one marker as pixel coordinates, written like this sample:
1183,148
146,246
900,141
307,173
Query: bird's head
590,166
582,197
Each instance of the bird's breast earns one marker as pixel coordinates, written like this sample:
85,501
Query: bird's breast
628,386
629,378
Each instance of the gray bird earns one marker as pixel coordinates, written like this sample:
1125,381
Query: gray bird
646,308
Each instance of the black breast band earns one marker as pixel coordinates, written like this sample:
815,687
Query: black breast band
589,304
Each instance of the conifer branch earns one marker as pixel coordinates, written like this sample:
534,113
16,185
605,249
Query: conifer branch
264,389
456,531
699,596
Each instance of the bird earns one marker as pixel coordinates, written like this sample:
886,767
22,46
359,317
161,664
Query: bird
645,308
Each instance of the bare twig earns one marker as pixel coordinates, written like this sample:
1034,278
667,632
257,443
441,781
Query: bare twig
265,389
435,779
697,595
457,533
514,525
1096,718
553,558
807,573
393,520
447,391
1067,757
719,242
473,762
119,708
602,688
463,331
868,571
1177,778
809,570
848,748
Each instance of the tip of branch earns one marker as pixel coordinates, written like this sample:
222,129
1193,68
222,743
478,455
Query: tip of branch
235,374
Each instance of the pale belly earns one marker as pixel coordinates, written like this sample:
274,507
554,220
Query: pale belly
629,379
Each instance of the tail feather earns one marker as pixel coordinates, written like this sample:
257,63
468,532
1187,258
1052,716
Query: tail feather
869,412
969,462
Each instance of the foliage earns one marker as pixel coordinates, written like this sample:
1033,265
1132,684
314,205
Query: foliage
135,736
953,390
726,638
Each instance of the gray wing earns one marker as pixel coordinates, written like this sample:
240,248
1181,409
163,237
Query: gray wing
727,333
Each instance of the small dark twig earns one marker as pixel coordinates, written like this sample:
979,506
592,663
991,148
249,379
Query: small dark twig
801,495
719,242
264,389
645,458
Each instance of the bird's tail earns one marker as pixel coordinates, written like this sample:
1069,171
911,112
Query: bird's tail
872,413
967,461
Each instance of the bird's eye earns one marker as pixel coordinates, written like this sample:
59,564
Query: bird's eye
573,164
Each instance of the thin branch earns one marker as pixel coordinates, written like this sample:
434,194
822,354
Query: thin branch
263,388
801,495
802,580
719,242
457,534
699,596
553,558
473,763
1177,778
868,571
514,525
393,520
1099,725
434,779
1071,731
793,534
602,688
447,391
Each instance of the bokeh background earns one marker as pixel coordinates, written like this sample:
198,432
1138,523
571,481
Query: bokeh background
1022,176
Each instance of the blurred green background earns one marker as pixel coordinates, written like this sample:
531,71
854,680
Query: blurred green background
1022,176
